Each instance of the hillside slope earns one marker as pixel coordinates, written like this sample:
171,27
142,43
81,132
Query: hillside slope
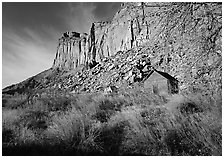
182,39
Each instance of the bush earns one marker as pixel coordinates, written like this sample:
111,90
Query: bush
111,137
106,109
13,101
75,131
34,120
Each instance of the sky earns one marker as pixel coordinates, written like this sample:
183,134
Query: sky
30,33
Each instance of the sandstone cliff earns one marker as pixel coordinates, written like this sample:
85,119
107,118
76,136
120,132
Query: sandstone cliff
72,50
128,29
182,39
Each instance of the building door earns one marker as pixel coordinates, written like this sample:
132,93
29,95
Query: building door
155,89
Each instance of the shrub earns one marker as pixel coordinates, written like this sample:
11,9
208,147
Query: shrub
34,120
191,135
184,104
9,126
58,103
110,138
144,132
107,107
74,131
13,101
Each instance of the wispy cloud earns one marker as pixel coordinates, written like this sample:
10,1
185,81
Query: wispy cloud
30,33
24,57
80,16
29,50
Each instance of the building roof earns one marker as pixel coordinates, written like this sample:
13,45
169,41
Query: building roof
164,74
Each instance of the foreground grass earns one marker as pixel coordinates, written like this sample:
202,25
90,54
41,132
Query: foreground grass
132,123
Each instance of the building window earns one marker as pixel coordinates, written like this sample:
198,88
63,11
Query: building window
155,89
172,86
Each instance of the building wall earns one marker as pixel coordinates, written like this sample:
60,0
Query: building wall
156,80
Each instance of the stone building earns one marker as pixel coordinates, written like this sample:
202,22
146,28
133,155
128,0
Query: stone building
160,83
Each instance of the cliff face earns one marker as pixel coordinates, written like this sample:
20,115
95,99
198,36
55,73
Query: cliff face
127,30
134,25
181,39
72,50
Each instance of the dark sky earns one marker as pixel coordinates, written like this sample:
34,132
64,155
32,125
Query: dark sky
30,33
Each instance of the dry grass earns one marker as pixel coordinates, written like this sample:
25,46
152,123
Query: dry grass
132,123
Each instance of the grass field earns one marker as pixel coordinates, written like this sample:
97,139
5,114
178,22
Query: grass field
128,123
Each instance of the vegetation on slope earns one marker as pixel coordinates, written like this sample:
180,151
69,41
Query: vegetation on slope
134,122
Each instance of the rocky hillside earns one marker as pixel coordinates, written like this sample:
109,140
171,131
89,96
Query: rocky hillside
182,39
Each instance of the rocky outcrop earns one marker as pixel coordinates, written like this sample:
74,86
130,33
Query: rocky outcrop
128,29
181,39
72,50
